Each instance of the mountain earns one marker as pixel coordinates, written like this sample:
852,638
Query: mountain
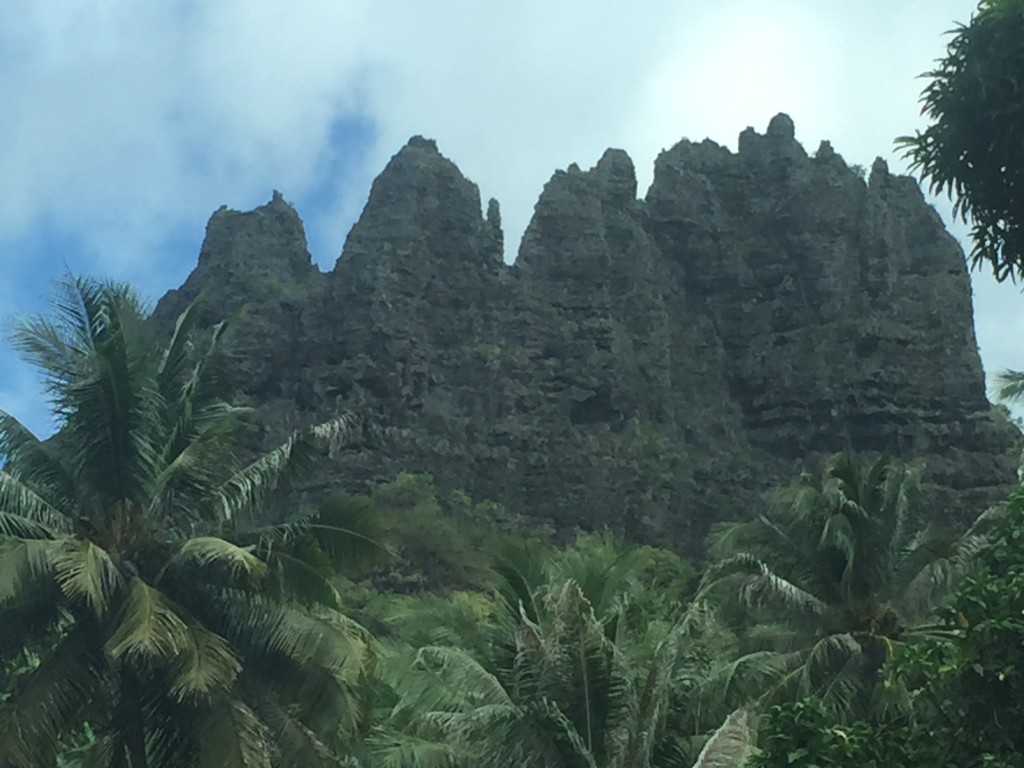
648,364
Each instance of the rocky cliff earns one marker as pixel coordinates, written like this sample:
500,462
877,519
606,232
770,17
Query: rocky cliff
650,364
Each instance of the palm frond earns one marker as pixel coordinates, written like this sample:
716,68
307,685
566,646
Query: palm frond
637,733
458,671
732,745
847,686
833,666
745,679
1010,386
397,749
108,404
602,567
195,460
297,579
839,534
761,585
345,533
936,561
598,694
206,665
828,655
206,551
296,744
16,498
25,565
350,530
449,709
799,502
201,425
19,527
246,490
582,747
901,490
34,483
86,572
51,700
174,362
100,753
232,736
435,682
327,701
148,627
265,628
463,620
56,347
520,568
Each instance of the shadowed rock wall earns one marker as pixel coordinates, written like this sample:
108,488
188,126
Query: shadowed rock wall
652,365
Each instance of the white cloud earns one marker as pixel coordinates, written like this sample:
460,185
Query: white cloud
133,121
136,120
127,124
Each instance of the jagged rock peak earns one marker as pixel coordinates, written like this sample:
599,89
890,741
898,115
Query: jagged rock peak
781,127
827,155
256,257
494,213
421,208
423,179
277,203
272,232
566,235
879,172
419,142
615,172
779,141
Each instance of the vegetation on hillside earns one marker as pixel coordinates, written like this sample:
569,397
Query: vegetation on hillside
164,603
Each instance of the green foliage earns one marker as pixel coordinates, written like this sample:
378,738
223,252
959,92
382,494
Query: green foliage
973,147
154,617
833,580
805,734
969,689
561,674
960,696
440,542
159,622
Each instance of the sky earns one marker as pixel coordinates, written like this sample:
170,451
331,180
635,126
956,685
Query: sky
124,125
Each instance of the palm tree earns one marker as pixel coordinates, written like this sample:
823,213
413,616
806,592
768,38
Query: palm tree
568,679
833,579
161,615
1010,386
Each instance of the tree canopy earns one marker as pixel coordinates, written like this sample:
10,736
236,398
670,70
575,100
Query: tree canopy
973,149
152,614
834,578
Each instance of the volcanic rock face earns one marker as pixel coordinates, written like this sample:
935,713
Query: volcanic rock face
649,365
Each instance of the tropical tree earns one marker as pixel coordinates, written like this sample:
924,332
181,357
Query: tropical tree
973,146
832,579
963,692
153,606
567,678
